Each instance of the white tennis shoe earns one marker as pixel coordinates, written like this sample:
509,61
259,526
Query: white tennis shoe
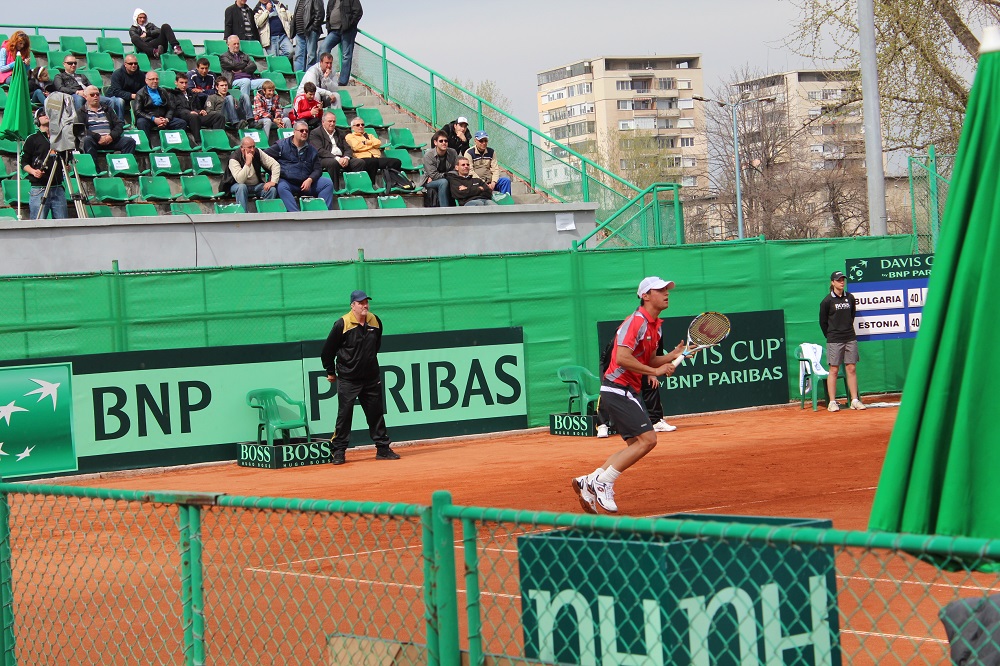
586,497
605,493
857,404
833,406
663,426
602,431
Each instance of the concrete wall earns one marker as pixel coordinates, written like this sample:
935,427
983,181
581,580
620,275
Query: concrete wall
178,241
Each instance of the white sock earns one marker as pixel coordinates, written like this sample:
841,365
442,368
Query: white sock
609,476
593,475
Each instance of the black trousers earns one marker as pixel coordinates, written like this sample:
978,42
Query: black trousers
651,398
332,167
165,40
375,164
369,394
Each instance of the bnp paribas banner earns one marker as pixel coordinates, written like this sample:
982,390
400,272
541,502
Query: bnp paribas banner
746,370
164,407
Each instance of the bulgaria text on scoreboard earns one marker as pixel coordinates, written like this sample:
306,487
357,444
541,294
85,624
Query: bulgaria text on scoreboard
891,292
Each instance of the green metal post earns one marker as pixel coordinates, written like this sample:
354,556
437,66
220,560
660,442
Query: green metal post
584,185
446,591
185,555
479,111
532,175
472,610
434,102
430,580
118,308
9,658
197,587
678,215
913,208
933,185
657,231
385,73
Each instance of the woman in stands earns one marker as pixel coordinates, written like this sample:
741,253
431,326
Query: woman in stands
151,39
17,44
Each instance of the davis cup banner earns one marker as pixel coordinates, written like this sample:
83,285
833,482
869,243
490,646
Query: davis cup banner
179,406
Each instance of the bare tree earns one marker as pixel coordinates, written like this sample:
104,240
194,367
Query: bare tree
487,89
637,156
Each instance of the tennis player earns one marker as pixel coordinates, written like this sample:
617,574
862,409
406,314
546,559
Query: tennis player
633,356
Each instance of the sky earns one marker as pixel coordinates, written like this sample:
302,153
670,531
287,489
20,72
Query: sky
512,40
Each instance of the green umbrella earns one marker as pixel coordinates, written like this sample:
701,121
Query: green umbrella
940,470
18,124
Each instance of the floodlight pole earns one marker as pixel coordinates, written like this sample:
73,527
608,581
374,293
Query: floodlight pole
736,156
877,224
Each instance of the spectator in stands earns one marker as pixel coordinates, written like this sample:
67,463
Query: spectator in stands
98,127
240,69
17,45
342,18
39,85
300,169
485,165
306,107
308,20
458,134
367,148
222,102
127,81
274,22
184,109
201,82
240,22
73,83
34,156
438,161
267,108
152,40
323,77
467,189
250,172
154,110
335,156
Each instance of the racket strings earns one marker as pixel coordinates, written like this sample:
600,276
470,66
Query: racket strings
709,328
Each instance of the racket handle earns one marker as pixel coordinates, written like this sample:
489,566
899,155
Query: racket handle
680,359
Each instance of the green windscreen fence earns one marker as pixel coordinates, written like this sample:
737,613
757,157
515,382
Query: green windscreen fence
557,298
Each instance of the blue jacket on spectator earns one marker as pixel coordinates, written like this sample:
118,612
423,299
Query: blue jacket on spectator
297,164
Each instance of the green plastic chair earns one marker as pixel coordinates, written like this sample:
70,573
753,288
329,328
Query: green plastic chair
175,140
214,65
279,65
342,121
311,204
124,164
187,47
93,76
166,164
100,211
8,213
257,135
174,63
57,57
141,141
205,163
271,206
358,182
5,172
252,48
392,201
185,208
8,147
111,46
10,191
141,210
216,139
373,118
278,78
144,64
272,420
503,199
227,208
355,203
215,47
3,99
168,78
155,188
111,190
402,137
285,132
198,187
74,44
577,379
816,381
346,101
39,44
85,166
405,158
101,62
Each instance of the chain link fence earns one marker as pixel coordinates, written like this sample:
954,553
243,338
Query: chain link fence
929,180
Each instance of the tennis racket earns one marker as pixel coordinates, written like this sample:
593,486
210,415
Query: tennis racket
706,330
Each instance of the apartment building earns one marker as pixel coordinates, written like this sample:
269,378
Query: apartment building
638,112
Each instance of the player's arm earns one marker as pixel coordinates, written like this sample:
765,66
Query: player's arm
628,361
658,361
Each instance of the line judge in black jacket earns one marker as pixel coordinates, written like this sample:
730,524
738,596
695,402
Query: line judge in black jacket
836,320
350,357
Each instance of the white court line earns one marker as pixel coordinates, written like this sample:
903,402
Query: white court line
893,636
363,581
777,499
977,588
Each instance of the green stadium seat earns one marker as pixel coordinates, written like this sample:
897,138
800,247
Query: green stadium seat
198,187
405,158
185,208
8,213
8,147
312,204
187,47
577,379
503,199
166,164
102,62
5,172
284,132
100,211
141,210
252,48
124,164
393,201
373,118
112,190
352,203
174,63
176,141
56,60
206,163
93,76
141,140
271,206
342,121
3,99
10,191
358,182
215,47
346,101
257,135
39,44
279,80
402,137
229,208
280,65
155,188
74,44
298,78
216,139
144,63
111,46
214,65
168,78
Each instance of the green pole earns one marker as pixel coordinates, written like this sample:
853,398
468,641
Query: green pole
430,578
933,185
472,610
197,587
913,208
657,231
532,175
118,307
6,586
479,111
385,73
447,591
584,185
434,105
186,612
678,215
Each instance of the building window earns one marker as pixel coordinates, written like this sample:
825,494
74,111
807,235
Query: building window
689,181
685,104
685,122
671,161
626,124
814,94
666,83
645,123
687,141
642,104
666,142
623,85
816,148
624,105
683,84
689,162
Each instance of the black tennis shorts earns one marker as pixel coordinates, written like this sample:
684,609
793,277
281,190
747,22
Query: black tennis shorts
626,410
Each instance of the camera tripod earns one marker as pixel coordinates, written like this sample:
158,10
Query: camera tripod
63,157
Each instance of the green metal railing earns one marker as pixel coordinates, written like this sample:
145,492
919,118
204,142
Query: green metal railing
651,218
929,178
207,578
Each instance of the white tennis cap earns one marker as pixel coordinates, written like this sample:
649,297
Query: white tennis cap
654,282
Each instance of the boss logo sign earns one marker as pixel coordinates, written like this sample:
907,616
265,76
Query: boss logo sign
577,425
281,456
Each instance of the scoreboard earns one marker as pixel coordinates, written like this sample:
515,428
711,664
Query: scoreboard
891,292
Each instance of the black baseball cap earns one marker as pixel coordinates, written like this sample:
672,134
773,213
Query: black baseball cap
837,275
359,295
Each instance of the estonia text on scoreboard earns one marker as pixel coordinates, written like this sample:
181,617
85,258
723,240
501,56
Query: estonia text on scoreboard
891,292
